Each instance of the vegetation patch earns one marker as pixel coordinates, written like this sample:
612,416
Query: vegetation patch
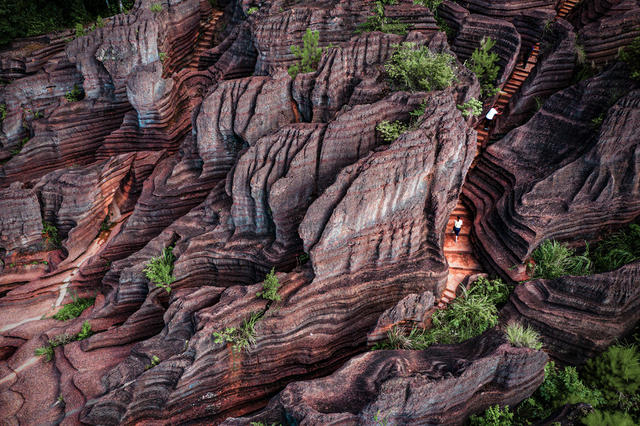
156,7
618,249
270,287
554,259
154,361
631,56
159,270
252,10
74,309
418,68
51,236
75,94
523,337
308,56
493,416
241,337
471,107
484,64
62,339
379,22
390,131
3,112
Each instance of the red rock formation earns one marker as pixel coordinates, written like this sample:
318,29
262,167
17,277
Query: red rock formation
578,317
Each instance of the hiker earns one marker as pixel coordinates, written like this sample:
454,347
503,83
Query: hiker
489,118
457,225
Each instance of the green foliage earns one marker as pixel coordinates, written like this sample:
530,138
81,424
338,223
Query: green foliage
3,112
79,30
270,287
106,224
21,145
50,235
99,22
631,55
73,309
74,94
617,249
379,22
615,372
241,337
85,331
252,10
554,259
162,56
560,387
523,337
485,66
46,351
154,361
471,107
417,68
308,56
61,340
493,416
156,7
159,270
390,131
431,4
496,291
605,418
302,259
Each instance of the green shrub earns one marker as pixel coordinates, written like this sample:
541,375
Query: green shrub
21,144
270,287
3,112
159,270
471,107
379,22
431,4
554,259
85,332
79,30
523,337
74,94
154,361
618,249
73,309
484,65
156,7
46,351
308,56
252,10
61,340
560,387
390,131
631,55
493,416
99,22
417,68
162,56
50,235
106,224
495,290
605,418
241,337
615,372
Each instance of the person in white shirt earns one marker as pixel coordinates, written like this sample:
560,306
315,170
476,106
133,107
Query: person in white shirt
489,117
457,225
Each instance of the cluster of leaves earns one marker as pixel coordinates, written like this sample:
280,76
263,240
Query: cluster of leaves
3,112
631,55
484,64
308,56
252,10
159,270
26,18
467,316
493,416
554,259
156,7
154,361
270,287
390,131
50,235
74,94
471,107
523,337
61,340
74,309
418,68
106,224
241,337
18,148
379,22
431,4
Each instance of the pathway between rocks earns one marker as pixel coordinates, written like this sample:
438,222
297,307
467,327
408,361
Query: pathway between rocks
461,258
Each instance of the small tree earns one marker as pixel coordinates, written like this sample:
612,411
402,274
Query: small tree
159,270
270,287
309,56
418,68
50,235
485,66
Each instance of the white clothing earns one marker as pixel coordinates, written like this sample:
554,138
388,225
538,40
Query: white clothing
492,112
457,224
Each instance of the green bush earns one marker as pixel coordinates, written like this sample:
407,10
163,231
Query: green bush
631,55
417,68
73,309
493,416
615,372
485,66
431,4
560,387
523,337
495,290
617,249
471,107
252,10
50,235
46,351
604,418
99,22
85,332
390,131
61,340
270,287
379,22
74,94
308,56
241,337
156,7
159,270
3,112
554,260
154,361
79,30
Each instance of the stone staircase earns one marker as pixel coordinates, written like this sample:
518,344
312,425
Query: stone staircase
462,261
205,38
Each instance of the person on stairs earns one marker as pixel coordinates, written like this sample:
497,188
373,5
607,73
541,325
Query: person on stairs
489,118
457,225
